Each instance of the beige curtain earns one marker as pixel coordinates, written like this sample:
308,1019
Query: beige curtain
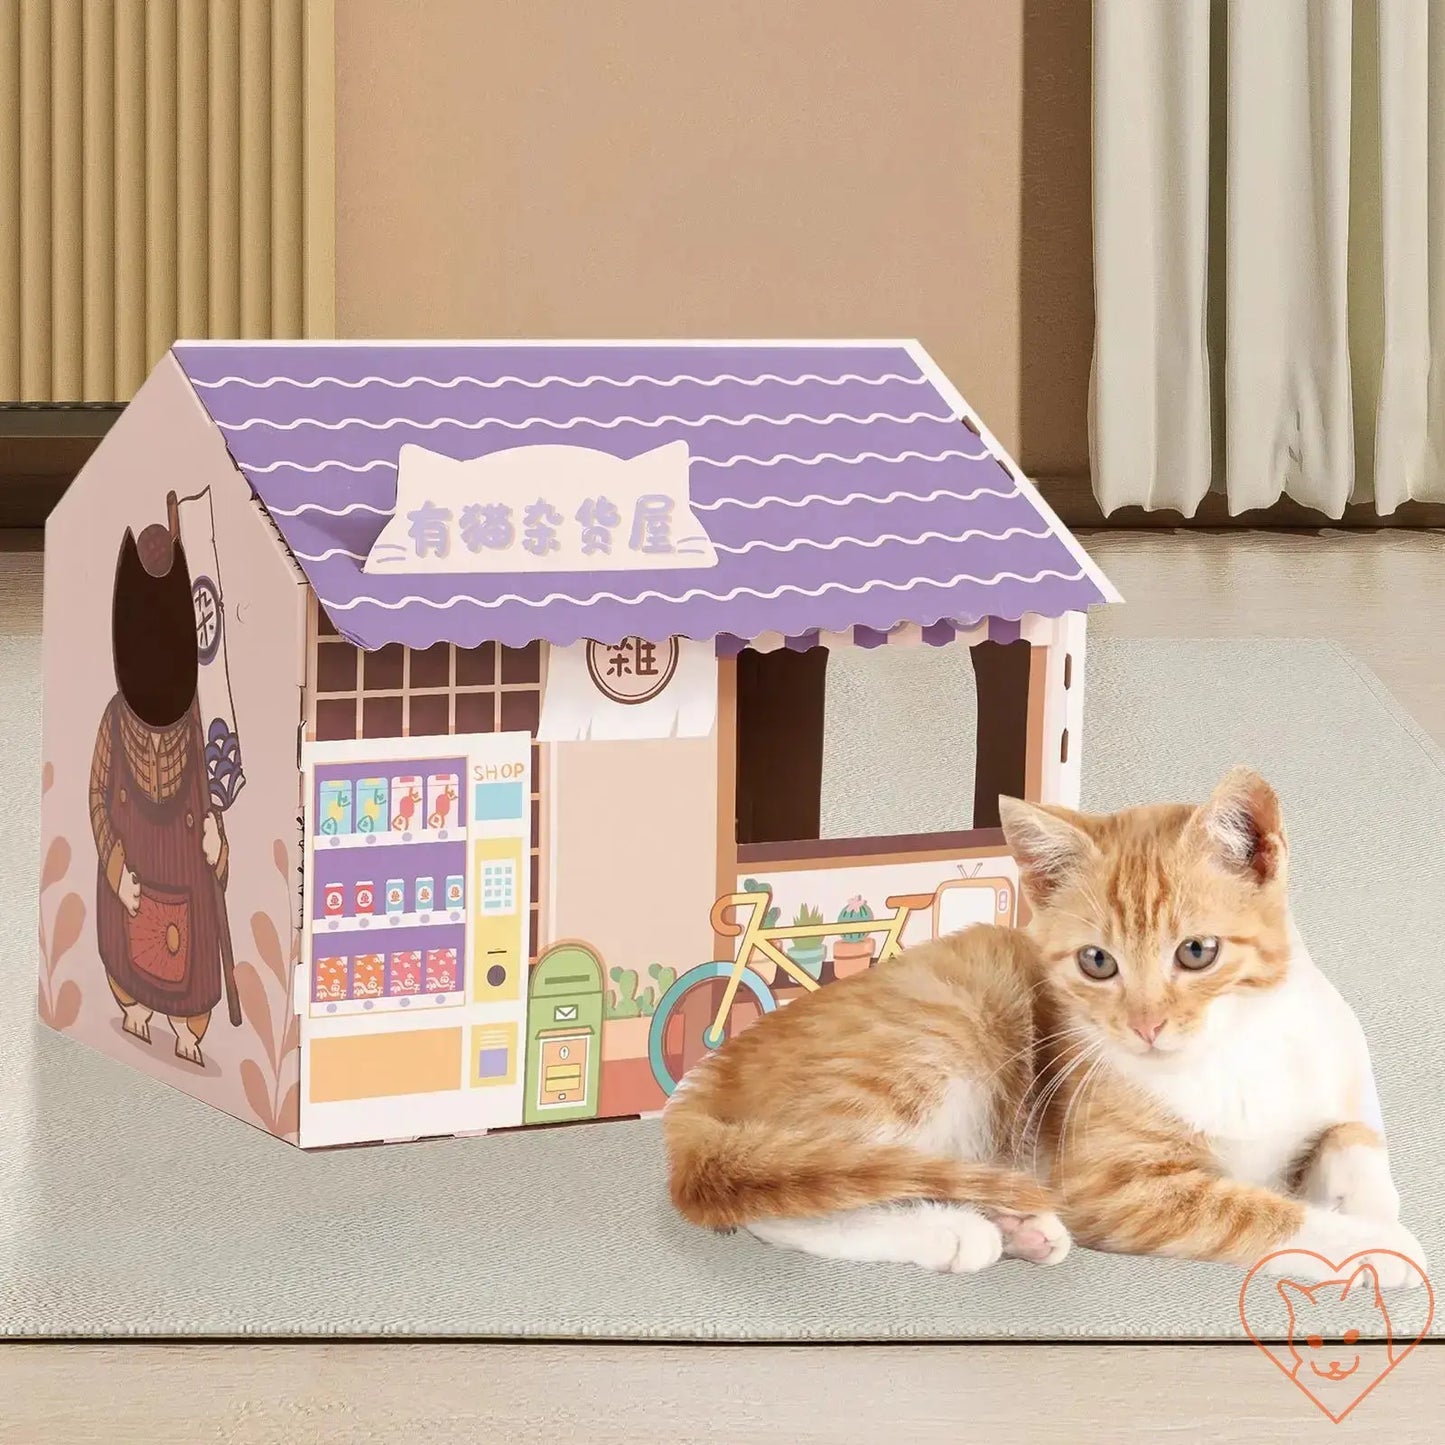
1269,227
166,170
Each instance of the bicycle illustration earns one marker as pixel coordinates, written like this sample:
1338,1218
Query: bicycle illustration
688,1001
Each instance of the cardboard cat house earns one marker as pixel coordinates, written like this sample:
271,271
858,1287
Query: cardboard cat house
433,733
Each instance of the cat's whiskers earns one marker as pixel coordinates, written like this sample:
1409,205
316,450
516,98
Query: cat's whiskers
1086,1056
1070,1112
1078,1038
1096,1060
1041,1097
1028,1135
1031,1047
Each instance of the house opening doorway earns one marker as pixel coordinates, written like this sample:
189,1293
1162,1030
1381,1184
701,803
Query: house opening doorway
828,741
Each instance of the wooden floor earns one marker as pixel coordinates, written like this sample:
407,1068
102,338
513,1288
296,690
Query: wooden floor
687,1395
1382,594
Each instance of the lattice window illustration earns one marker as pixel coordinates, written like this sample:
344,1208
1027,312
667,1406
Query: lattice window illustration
499,888
401,692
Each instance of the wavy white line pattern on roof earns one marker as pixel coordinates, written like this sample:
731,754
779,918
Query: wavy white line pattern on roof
693,594
768,461
712,420
812,499
973,534
329,511
575,382
794,545
847,460
821,499
328,554
334,465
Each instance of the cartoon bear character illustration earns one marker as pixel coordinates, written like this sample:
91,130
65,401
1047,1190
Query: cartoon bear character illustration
161,923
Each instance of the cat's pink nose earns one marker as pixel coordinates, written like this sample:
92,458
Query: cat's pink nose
1147,1030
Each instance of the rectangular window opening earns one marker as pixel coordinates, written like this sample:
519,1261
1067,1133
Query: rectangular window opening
827,748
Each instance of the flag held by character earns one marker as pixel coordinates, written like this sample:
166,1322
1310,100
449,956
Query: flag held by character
224,771
193,520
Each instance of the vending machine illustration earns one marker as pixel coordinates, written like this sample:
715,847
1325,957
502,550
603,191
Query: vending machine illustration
564,1026
415,946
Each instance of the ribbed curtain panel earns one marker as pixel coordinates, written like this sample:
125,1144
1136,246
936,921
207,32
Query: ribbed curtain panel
167,170
1269,253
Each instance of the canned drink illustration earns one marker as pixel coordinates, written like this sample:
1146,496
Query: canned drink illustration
334,900
405,804
456,891
441,800
364,899
330,979
368,975
336,807
395,895
425,894
403,974
372,799
441,970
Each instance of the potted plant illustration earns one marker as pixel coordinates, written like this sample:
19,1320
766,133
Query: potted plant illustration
760,963
853,952
628,1009
808,953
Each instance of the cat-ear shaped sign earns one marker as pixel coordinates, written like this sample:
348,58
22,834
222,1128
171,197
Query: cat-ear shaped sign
548,507
1241,828
1048,846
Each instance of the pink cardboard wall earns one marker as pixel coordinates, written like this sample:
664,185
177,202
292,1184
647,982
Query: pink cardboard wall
164,442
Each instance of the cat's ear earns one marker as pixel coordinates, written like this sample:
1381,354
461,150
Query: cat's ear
1295,1296
1048,848
668,461
1241,830
422,466
1363,1283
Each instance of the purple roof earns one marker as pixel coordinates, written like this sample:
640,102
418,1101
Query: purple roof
838,484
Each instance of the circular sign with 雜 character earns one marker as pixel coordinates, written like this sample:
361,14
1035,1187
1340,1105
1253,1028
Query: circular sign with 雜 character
633,670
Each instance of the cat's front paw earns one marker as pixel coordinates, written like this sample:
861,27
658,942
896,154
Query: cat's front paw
1039,1238
955,1241
1354,1180
1327,1240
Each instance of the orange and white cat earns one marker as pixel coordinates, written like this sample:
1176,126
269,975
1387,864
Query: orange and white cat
873,1119
1159,1047
1217,1101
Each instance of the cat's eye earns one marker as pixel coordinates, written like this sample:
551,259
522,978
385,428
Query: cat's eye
1196,953
1351,1336
1315,1342
1095,963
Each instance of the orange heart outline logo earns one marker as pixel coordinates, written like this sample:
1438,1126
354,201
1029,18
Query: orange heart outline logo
1337,1271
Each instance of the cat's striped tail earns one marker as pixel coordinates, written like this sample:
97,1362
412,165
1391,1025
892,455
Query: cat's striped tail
723,1175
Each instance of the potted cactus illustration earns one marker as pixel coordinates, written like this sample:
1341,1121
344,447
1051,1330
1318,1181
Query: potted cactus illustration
853,952
808,953
628,1009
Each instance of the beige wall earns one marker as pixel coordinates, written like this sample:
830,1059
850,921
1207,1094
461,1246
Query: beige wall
249,1071
635,841
725,167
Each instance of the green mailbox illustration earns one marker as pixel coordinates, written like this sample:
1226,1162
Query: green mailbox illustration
564,1031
